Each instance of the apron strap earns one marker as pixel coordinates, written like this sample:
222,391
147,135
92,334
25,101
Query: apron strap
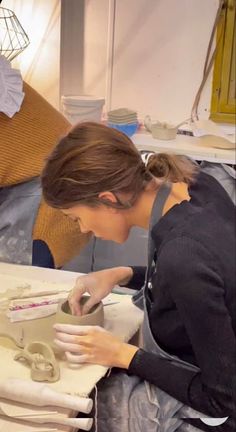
156,215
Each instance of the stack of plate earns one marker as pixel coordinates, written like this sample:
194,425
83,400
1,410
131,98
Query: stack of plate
123,119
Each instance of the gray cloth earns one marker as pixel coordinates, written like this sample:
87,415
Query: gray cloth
127,403
224,174
18,208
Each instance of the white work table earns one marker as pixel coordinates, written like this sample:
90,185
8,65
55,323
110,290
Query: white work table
123,319
185,145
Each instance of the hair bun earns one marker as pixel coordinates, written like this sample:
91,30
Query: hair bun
175,168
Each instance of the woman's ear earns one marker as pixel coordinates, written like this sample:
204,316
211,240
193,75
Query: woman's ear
107,196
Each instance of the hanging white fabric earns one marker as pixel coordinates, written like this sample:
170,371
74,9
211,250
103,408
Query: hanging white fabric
11,88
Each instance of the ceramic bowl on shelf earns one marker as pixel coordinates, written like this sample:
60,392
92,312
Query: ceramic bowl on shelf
162,131
128,129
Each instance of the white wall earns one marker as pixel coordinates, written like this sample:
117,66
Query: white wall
159,52
39,63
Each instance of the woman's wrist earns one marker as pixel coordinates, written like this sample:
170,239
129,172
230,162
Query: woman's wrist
126,355
123,275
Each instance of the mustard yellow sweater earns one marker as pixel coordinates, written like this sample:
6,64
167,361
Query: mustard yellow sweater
25,141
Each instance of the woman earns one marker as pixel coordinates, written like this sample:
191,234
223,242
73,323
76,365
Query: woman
186,367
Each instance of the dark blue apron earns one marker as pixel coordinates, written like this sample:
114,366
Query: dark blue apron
129,404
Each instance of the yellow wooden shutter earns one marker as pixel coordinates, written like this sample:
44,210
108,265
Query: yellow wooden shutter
223,95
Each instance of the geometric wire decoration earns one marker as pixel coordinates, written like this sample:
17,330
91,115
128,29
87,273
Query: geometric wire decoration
13,39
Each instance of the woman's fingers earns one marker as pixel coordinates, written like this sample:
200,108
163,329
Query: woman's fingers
82,341
73,329
73,339
75,307
92,344
88,305
65,337
77,359
74,304
75,296
72,347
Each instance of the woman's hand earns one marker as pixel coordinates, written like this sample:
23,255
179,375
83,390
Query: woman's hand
93,344
98,285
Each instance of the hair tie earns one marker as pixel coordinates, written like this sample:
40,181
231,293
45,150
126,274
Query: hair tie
146,156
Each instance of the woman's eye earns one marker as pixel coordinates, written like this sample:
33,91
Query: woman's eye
74,219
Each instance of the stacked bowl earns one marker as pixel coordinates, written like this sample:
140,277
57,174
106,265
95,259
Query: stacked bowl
124,120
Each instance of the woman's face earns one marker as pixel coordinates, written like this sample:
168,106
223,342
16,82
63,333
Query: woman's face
104,222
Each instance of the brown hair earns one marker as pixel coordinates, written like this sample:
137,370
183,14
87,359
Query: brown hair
94,158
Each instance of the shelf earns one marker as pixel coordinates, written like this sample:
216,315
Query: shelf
186,145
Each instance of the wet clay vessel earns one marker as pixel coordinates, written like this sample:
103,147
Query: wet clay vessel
94,317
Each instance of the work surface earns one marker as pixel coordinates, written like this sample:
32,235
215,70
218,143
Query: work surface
121,318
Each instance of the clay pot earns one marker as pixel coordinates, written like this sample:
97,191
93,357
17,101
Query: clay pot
162,131
94,317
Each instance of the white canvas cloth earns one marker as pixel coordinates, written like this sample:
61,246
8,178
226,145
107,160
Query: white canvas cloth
123,319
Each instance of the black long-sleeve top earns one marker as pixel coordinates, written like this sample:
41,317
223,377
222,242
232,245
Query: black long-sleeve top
194,301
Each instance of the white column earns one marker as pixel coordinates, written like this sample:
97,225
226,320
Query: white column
72,47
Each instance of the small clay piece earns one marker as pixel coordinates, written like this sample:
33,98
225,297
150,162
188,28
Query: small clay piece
216,142
41,359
